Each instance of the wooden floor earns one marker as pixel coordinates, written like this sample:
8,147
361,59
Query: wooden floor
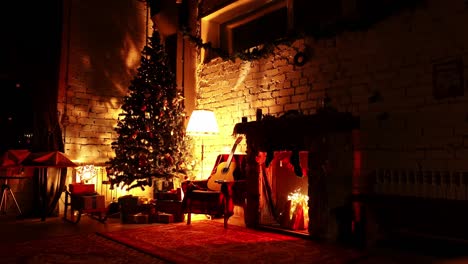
15,230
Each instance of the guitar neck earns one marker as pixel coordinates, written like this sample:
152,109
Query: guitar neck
231,155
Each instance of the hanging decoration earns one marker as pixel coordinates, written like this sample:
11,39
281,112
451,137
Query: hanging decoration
252,54
300,59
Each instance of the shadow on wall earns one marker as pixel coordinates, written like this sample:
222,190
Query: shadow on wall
109,36
106,40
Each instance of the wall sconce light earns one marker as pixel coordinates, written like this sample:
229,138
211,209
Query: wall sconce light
202,123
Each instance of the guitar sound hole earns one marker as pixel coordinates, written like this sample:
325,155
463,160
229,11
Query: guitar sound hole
225,170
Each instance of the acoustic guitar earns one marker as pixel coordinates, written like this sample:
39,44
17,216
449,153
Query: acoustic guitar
224,170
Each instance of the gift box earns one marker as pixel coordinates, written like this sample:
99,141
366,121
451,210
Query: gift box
174,195
140,218
81,188
128,207
153,218
147,208
171,207
165,218
90,202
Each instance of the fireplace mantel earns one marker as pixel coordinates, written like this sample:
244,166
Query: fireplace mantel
293,132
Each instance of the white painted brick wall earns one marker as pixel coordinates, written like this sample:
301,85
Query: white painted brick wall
394,57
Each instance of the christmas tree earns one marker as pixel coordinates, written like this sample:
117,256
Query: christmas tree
151,139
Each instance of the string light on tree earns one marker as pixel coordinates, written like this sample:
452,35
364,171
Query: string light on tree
151,139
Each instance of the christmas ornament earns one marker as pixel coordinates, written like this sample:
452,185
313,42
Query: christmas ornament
151,140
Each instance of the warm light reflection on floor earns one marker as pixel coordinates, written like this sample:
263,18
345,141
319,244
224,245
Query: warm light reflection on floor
200,217
236,220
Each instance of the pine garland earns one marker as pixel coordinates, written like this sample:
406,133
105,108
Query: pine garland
261,51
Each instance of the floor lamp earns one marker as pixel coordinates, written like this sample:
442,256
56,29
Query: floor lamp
202,123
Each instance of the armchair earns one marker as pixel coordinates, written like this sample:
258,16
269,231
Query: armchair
200,199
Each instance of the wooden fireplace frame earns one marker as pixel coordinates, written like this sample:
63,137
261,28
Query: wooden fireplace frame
294,132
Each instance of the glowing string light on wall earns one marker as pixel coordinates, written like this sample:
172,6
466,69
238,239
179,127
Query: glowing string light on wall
85,173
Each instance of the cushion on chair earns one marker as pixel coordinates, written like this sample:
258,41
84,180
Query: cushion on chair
203,194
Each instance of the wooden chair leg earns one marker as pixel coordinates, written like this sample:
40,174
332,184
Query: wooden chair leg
189,211
189,218
65,209
226,189
226,218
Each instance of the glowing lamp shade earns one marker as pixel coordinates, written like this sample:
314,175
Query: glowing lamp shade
202,123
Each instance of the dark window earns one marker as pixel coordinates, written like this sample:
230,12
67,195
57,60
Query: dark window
237,28
264,29
16,116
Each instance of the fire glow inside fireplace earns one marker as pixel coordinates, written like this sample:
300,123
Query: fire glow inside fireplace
284,198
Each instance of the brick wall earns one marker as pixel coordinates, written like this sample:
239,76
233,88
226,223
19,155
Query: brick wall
101,52
407,128
104,51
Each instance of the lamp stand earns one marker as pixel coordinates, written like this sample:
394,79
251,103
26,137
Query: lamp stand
202,158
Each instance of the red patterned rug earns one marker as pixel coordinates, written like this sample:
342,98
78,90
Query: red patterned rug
83,248
209,242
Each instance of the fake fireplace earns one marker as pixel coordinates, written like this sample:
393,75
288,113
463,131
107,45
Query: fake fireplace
300,171
284,199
